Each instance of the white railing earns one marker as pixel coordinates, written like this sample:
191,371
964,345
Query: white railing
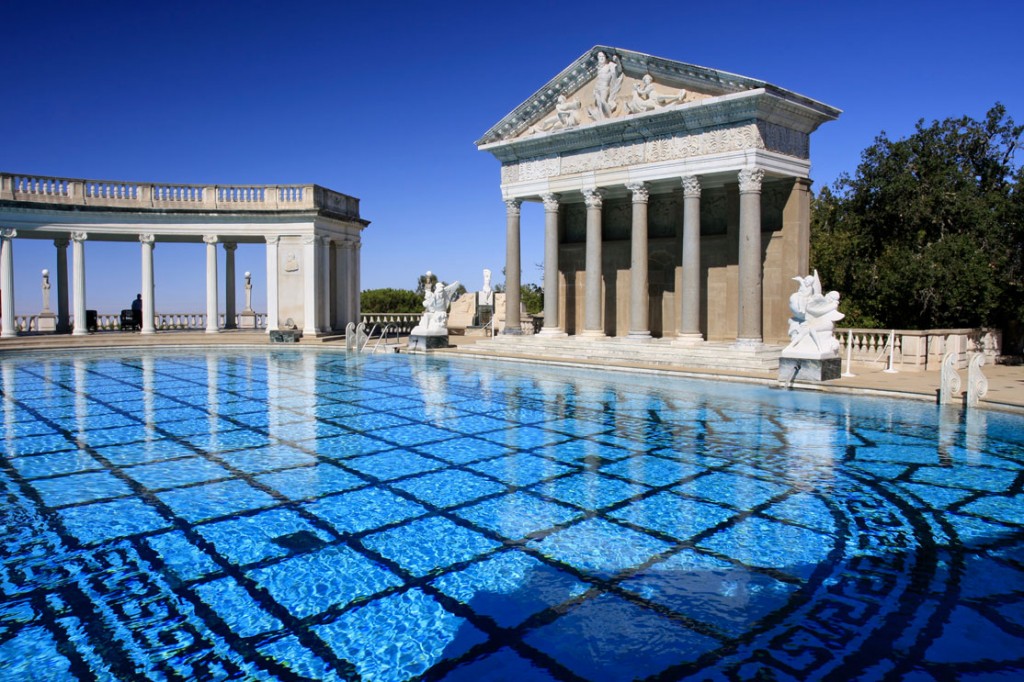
146,195
402,323
162,321
916,350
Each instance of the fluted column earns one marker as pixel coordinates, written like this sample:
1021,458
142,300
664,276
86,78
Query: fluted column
689,294
750,267
272,289
592,299
357,247
7,323
212,307
311,299
78,281
337,296
639,316
148,285
551,321
229,285
324,277
513,279
63,312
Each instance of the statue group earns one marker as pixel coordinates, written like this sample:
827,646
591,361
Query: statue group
814,318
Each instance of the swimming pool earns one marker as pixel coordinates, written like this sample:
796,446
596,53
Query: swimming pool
306,515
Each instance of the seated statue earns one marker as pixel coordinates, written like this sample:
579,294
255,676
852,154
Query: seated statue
435,309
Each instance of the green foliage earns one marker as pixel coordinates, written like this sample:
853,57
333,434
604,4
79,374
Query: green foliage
390,301
929,232
533,298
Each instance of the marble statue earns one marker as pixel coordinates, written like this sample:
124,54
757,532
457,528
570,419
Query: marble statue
435,310
814,318
607,84
644,98
46,291
566,115
487,293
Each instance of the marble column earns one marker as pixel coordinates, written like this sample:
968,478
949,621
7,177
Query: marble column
357,313
212,307
78,281
311,295
551,321
63,311
323,276
229,285
148,284
689,294
513,279
337,297
7,322
750,267
272,304
639,302
592,299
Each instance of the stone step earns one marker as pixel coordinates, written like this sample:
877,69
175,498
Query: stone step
655,352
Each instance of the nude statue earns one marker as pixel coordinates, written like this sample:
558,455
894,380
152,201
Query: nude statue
607,84
566,115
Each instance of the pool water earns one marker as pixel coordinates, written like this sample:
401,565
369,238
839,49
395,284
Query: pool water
311,515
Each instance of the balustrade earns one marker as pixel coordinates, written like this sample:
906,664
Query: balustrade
403,323
916,350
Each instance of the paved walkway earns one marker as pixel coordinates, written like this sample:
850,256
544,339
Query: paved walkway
1005,383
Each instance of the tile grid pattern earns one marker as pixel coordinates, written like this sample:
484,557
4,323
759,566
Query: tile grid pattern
208,540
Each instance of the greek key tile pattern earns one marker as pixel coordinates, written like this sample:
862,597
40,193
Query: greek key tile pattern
284,515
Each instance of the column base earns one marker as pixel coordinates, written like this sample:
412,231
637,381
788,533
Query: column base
148,332
639,336
512,331
79,332
8,335
213,331
46,323
748,345
688,339
592,334
552,332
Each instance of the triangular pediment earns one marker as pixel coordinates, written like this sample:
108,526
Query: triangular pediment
609,87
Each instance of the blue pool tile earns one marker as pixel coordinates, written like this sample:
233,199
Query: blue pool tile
74,488
214,499
899,453
519,514
472,424
424,545
350,445
108,520
524,437
182,557
32,654
333,576
253,538
936,497
806,510
653,471
772,544
259,460
608,638
33,445
311,482
1004,509
680,517
399,637
394,464
236,607
600,548
289,653
509,587
463,450
582,452
362,510
968,478
520,469
176,473
731,598
449,488
413,434
503,664
53,464
141,453
740,492
590,490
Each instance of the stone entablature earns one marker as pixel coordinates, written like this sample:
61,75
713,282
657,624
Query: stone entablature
143,196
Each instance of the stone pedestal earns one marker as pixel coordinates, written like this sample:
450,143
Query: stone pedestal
809,369
247,319
46,323
425,342
285,335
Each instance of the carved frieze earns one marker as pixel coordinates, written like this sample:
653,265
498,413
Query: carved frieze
780,139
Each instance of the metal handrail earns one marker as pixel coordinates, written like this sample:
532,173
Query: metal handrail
383,336
367,339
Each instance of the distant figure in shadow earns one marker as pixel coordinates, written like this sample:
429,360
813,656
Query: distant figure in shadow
137,312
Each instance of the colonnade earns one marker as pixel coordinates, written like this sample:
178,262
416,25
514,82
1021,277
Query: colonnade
331,283
688,331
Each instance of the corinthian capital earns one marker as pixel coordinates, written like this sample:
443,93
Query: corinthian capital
750,179
550,202
147,238
593,198
513,206
640,192
8,233
210,238
691,186
79,236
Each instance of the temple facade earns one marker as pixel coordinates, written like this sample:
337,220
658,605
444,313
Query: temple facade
676,199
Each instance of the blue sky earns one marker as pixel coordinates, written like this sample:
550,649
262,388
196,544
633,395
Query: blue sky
383,101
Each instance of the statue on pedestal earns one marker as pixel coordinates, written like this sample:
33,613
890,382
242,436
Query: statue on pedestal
432,331
813,352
